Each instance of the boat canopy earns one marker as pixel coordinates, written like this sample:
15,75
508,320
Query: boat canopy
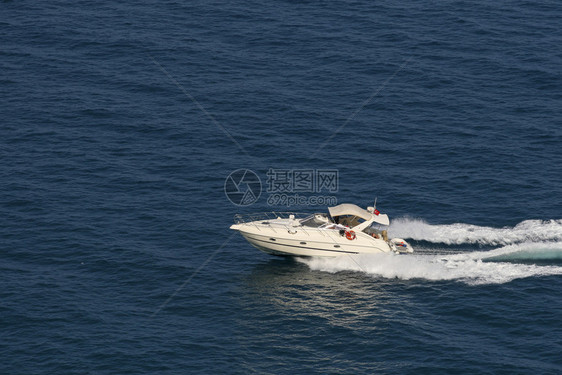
382,219
351,209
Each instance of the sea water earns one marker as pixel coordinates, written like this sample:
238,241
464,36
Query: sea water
121,122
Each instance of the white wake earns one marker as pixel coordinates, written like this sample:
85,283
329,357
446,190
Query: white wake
474,268
457,234
523,252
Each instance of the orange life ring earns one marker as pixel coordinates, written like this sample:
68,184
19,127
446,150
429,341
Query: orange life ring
350,235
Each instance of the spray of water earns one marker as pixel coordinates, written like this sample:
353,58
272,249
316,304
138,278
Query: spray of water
529,241
459,233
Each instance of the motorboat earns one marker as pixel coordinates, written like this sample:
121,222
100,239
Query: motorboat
345,229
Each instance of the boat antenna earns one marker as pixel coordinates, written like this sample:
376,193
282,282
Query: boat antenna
375,205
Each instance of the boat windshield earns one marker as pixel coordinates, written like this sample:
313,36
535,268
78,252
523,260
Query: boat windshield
315,220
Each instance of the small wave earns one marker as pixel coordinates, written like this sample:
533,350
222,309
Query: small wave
459,233
527,252
473,268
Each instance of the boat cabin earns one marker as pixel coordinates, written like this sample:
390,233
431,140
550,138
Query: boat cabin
369,221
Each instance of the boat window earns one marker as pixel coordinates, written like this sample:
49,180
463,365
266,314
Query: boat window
376,230
349,220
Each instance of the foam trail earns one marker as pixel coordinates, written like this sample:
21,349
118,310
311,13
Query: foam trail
549,251
457,234
470,268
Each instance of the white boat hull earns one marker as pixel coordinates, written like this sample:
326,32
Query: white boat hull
330,244
348,229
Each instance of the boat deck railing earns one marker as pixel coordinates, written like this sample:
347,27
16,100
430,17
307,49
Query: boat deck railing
266,216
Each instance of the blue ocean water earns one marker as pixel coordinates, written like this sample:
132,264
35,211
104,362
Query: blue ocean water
120,123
